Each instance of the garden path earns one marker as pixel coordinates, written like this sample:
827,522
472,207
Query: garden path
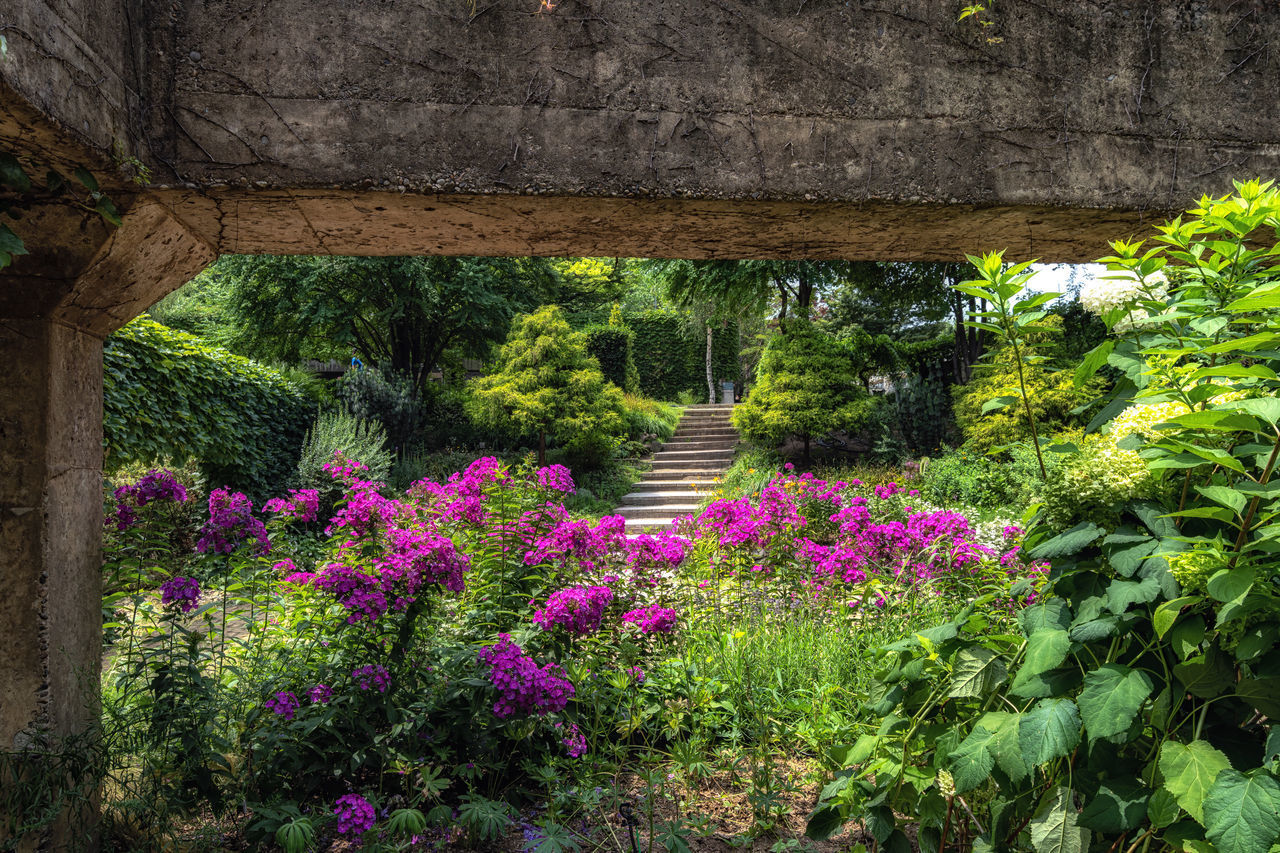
684,471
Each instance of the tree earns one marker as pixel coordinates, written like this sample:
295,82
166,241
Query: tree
808,387
546,383
401,313
902,300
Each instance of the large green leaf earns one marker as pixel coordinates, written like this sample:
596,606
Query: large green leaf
1067,543
1262,693
1242,812
1189,771
1119,806
1050,613
1055,829
1046,650
977,672
1228,584
1111,698
1206,675
1123,594
972,762
1168,612
1049,730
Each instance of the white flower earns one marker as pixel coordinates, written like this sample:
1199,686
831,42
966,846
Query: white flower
1102,295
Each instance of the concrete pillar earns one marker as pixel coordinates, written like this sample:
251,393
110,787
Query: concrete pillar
50,544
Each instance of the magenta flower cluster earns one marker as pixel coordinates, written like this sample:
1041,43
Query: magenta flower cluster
285,704
575,744
355,814
321,694
578,609
522,685
300,505
653,619
372,677
154,486
231,522
182,593
556,478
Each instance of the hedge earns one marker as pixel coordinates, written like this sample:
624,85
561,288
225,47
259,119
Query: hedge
670,356
612,347
169,396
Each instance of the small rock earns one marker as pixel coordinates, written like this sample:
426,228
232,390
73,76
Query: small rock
195,55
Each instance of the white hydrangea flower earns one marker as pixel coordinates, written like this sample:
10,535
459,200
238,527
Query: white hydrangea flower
1141,419
1102,295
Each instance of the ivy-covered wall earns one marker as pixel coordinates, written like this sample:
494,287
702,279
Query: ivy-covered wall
168,396
670,356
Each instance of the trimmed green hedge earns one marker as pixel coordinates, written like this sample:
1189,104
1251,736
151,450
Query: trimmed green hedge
167,395
670,357
611,346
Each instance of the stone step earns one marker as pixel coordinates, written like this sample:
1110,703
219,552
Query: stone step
720,459
700,444
681,432
692,484
690,473
662,511
647,525
654,498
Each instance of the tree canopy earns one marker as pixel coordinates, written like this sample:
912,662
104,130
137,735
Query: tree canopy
402,313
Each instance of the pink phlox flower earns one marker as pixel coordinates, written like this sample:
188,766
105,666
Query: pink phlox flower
522,685
300,505
284,703
653,619
372,677
556,478
183,593
231,522
356,815
579,610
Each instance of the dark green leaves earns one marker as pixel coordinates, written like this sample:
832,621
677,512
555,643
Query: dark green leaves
1119,806
1055,829
1242,813
1071,542
977,672
1111,699
1050,730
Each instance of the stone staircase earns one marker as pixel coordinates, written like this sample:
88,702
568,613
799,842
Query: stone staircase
684,470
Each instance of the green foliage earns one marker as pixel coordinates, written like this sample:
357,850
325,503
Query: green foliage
1010,483
1053,398
923,414
168,396
807,387
547,384
22,194
612,346
387,398
345,432
906,301
402,314
647,417
1144,682
670,358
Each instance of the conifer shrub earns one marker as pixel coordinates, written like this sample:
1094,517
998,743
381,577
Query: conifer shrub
807,388
547,384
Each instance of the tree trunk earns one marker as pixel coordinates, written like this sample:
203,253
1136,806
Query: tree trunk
542,447
959,353
807,459
711,382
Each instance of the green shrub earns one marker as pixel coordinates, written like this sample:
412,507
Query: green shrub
387,398
168,396
547,384
1009,483
357,438
670,358
611,346
808,387
1054,397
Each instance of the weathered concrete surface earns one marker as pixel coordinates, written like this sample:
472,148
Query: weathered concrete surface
1079,120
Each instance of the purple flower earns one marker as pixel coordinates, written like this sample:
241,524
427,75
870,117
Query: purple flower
181,592
355,814
574,742
578,609
320,694
155,485
637,673
301,505
372,676
555,478
652,619
523,685
283,703
230,523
